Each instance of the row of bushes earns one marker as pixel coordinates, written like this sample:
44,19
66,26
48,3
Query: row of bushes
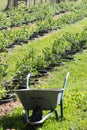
69,42
10,37
25,14
68,18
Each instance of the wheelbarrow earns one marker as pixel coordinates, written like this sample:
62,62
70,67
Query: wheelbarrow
38,100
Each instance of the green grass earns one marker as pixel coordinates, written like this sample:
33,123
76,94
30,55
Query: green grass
75,101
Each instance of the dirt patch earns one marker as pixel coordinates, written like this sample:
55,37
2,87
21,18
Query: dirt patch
56,16
6,108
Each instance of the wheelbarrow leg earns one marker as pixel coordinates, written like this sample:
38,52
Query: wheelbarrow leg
56,114
61,109
27,115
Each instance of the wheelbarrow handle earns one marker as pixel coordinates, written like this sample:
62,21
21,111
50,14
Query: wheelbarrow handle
27,84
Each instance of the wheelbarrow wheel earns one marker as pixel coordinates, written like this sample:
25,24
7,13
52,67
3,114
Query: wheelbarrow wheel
36,115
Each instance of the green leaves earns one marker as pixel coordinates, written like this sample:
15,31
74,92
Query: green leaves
68,42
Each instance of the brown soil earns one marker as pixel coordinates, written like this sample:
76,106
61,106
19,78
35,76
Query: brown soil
7,108
60,15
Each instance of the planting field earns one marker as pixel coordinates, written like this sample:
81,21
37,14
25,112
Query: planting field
51,38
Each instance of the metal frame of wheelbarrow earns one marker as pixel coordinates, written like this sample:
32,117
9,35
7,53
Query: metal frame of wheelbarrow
41,99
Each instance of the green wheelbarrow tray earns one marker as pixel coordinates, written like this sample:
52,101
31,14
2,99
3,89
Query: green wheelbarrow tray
38,100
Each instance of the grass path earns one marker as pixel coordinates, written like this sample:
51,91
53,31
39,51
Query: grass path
76,93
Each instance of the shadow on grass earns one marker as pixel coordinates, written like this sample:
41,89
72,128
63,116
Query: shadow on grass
15,122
